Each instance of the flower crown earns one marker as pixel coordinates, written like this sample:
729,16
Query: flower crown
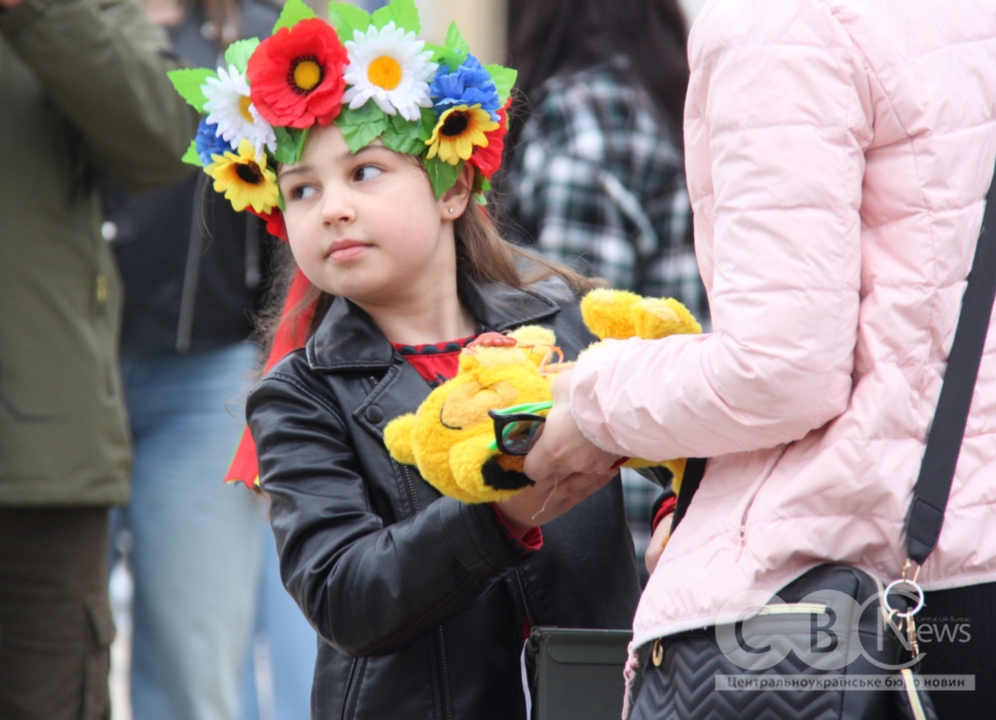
436,102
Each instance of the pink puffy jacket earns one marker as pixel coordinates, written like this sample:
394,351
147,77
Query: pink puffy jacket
838,153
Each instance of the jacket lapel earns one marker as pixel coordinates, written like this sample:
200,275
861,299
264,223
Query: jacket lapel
348,340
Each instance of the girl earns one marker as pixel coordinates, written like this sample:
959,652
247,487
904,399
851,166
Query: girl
422,601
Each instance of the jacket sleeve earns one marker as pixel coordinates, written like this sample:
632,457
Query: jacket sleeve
368,588
776,121
104,66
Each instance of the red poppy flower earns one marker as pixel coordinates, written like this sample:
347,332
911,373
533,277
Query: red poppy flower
295,75
274,222
488,159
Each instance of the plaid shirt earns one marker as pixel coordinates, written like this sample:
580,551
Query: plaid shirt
597,182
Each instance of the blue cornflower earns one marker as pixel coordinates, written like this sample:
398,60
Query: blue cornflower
470,84
208,143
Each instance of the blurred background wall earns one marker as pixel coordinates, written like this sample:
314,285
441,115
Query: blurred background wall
481,21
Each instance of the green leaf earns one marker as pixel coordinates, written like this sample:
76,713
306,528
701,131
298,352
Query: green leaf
367,112
428,123
421,130
238,53
454,40
402,12
191,157
480,199
445,56
504,80
442,175
346,18
403,142
290,143
359,136
188,83
409,137
302,137
294,12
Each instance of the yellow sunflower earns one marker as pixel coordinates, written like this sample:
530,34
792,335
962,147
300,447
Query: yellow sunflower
245,179
459,129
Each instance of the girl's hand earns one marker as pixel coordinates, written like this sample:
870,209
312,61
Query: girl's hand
562,450
538,504
657,543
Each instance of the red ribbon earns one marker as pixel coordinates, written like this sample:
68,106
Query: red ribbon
292,332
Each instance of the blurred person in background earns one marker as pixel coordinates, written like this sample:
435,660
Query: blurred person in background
194,273
83,88
596,174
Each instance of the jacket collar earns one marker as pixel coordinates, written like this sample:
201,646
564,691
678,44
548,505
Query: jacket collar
348,338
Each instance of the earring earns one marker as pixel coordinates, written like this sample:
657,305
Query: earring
451,211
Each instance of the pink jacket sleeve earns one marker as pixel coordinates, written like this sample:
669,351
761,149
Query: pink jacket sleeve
776,122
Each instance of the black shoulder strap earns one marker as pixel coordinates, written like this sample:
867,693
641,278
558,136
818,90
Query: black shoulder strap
933,486
694,470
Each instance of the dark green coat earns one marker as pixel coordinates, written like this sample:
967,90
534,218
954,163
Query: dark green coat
83,87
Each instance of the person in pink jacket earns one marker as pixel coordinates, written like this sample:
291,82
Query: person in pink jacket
838,155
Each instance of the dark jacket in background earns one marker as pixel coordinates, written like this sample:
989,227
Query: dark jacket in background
194,270
420,597
83,88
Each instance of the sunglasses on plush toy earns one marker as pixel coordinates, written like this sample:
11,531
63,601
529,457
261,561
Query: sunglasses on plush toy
516,427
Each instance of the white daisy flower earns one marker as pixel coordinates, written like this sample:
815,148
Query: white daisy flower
230,108
389,66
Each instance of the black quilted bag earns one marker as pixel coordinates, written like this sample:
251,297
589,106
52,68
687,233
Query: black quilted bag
683,678
836,629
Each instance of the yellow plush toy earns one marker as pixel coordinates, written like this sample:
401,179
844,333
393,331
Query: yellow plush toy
451,437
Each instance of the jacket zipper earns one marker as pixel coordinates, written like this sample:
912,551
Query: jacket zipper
750,503
444,669
351,685
410,482
794,609
525,603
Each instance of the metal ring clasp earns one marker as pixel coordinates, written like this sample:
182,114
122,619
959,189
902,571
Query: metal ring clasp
900,583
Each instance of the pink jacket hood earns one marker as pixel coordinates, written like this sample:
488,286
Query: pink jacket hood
838,156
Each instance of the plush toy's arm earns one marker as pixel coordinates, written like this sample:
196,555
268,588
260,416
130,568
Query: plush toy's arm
368,588
398,439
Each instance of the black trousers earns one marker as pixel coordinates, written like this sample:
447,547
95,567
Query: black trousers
55,616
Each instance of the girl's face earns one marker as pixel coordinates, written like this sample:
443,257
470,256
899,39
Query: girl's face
367,226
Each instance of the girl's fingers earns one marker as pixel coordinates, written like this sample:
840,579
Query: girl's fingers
575,488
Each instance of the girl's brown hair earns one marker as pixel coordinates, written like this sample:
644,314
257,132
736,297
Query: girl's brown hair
482,256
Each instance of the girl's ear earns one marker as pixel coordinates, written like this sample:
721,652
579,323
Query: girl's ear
454,202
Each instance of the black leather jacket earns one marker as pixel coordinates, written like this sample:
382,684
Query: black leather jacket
420,598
